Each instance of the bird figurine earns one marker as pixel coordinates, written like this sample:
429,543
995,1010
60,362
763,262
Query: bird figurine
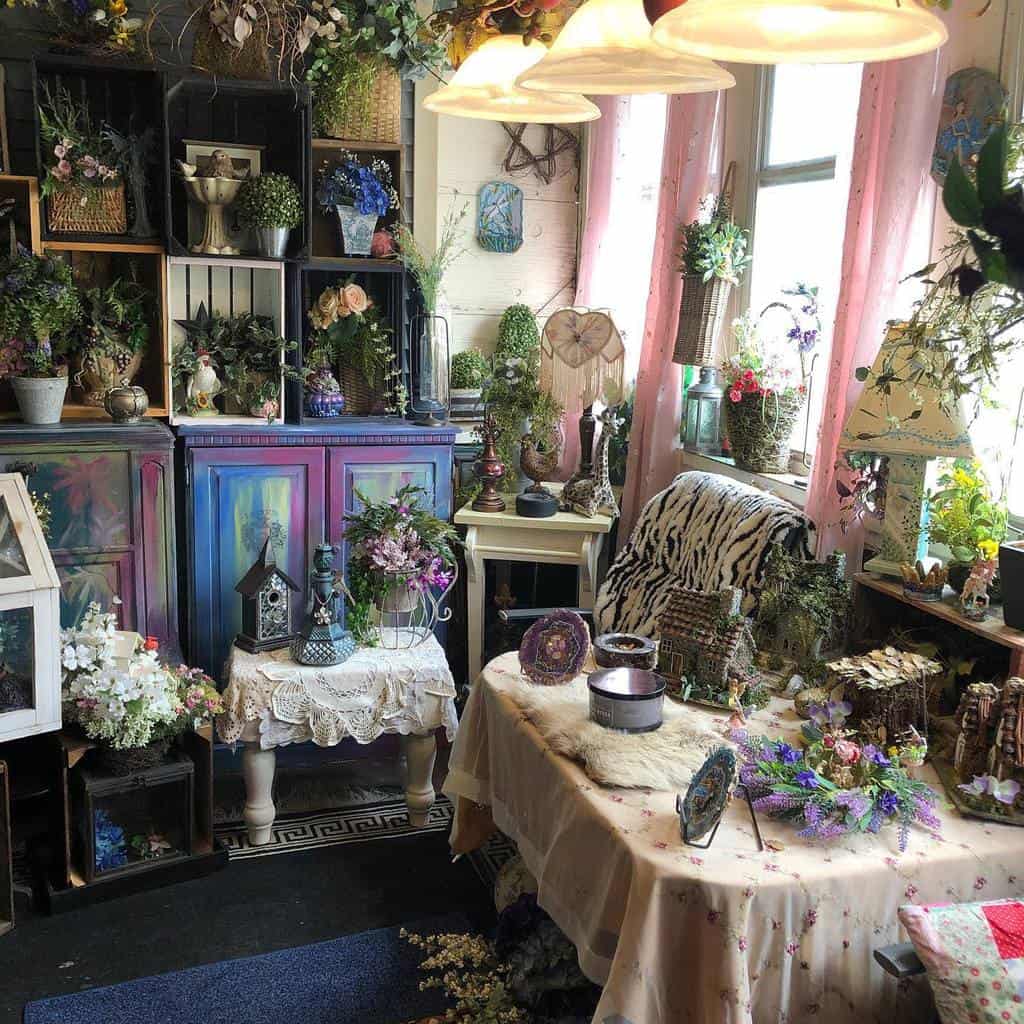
202,386
537,502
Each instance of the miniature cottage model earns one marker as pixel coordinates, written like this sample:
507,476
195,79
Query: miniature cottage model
266,605
706,643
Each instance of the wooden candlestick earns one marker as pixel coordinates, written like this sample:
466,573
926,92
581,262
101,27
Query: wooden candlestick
489,469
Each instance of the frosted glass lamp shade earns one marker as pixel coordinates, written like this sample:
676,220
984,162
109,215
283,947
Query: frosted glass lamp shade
800,31
484,87
605,48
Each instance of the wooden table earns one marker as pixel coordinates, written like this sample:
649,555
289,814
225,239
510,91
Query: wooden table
991,628
565,538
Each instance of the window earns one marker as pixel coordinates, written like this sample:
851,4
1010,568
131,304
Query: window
803,132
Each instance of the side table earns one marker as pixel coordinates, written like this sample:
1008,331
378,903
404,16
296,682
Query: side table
273,701
565,538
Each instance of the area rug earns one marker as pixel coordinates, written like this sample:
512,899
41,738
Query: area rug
369,978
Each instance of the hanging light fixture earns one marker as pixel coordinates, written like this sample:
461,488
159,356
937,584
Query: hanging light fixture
605,48
484,87
800,31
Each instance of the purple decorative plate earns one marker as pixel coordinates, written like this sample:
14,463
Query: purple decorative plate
554,648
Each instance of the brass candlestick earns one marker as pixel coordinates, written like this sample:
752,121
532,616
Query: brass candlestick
489,468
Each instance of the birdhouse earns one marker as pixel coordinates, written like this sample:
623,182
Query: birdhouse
266,605
29,618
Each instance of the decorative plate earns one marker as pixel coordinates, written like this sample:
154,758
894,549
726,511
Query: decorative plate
701,809
973,104
499,223
554,648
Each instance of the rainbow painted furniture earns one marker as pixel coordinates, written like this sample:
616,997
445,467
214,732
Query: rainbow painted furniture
294,484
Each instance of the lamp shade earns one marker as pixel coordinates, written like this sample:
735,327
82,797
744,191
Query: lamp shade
605,48
800,31
896,424
484,87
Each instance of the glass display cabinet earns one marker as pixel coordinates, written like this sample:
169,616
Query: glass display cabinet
29,618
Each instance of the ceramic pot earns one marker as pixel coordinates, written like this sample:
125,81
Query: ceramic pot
126,403
272,242
40,399
466,403
98,372
356,230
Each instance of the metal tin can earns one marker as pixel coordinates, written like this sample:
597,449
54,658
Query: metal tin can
629,699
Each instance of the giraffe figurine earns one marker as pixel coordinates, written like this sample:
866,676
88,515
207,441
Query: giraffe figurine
603,493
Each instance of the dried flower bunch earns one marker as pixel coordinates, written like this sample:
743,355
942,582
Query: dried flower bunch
429,271
834,786
100,25
269,201
369,187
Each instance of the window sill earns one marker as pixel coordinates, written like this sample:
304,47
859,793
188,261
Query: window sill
783,485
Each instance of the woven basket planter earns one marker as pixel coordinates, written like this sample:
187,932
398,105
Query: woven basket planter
131,759
759,431
94,211
376,117
214,56
356,391
701,318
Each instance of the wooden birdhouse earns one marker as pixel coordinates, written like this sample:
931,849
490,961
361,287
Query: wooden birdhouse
29,618
266,605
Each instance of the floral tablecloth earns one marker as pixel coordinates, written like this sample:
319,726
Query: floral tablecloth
274,701
726,934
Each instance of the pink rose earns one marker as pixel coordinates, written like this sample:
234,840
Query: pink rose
355,298
59,151
735,395
847,751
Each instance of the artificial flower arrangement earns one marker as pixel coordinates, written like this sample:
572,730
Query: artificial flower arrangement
765,385
713,245
835,786
368,187
395,545
349,332
102,26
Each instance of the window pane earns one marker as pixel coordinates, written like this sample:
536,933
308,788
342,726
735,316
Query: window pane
17,660
811,106
12,558
996,436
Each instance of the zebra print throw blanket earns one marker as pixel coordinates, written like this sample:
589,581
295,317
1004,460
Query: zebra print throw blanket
703,532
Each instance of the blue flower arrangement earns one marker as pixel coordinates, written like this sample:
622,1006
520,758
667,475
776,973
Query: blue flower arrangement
111,848
368,187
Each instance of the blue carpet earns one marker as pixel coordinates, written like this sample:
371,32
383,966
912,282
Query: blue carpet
369,978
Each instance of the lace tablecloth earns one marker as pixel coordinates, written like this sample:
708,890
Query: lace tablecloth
272,699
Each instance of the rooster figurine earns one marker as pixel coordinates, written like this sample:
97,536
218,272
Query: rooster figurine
536,502
202,386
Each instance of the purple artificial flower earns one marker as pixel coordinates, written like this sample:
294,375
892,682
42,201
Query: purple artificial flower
787,754
807,779
855,802
872,753
888,803
812,813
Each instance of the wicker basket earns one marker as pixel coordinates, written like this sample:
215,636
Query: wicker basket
96,211
356,391
759,431
131,759
373,118
701,317
214,56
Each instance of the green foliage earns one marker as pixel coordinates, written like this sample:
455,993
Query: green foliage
39,308
116,318
618,449
963,514
78,153
517,333
429,271
713,245
269,201
469,369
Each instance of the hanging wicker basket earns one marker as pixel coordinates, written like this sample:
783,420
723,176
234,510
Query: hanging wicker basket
373,116
701,318
759,431
94,211
215,57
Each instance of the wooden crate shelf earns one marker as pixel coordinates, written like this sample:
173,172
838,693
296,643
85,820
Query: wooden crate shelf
6,867
24,190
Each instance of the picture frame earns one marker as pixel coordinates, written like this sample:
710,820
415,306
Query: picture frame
244,158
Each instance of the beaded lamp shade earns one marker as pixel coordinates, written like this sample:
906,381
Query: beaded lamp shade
581,356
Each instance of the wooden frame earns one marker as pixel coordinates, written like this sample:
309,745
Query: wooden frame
5,149
24,190
6,866
39,590
229,287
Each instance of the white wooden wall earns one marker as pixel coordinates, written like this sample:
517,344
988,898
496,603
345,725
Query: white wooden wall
454,158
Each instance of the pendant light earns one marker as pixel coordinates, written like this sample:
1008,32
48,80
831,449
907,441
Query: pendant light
605,48
484,87
800,31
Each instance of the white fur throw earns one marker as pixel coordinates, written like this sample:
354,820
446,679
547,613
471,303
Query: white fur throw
663,760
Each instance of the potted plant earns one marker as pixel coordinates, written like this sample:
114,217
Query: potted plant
469,371
712,258
360,194
965,517
271,205
83,186
399,551
766,387
360,53
111,337
349,332
39,306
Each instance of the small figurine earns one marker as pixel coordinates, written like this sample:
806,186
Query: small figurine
322,641
202,386
537,502
603,493
974,599
923,586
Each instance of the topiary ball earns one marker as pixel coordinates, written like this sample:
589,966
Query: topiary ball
517,333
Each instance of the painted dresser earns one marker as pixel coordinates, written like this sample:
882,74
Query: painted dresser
110,490
294,484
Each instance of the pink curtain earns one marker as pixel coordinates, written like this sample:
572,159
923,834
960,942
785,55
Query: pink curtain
889,185
685,173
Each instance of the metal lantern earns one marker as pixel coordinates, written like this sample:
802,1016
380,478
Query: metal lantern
431,363
703,432
266,605
322,641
